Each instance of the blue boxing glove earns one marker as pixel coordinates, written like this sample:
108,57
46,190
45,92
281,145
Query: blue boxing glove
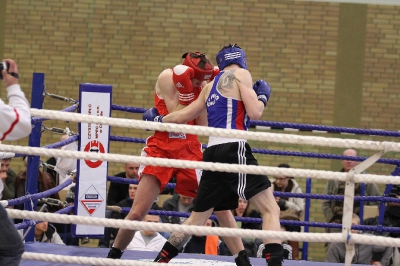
263,91
152,115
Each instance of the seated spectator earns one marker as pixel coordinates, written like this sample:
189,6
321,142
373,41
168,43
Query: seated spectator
244,210
119,191
332,209
51,161
208,244
177,203
391,219
128,202
45,182
147,239
45,232
8,177
392,213
291,208
363,252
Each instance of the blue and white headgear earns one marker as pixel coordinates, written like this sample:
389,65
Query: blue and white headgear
231,54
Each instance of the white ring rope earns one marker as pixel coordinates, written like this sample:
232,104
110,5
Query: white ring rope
89,260
200,230
345,236
221,167
6,155
230,133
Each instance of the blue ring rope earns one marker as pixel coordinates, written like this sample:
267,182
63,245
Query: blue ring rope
39,195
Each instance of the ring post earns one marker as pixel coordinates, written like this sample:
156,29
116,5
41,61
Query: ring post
32,168
304,248
91,175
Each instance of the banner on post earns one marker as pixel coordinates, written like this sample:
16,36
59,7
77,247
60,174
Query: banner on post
91,179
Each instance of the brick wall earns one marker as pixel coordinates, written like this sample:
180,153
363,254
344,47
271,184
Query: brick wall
293,45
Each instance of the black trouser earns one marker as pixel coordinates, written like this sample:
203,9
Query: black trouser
11,246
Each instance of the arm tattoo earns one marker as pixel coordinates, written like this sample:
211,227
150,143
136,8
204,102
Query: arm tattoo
178,240
226,81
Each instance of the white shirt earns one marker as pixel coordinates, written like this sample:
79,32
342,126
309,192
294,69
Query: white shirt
138,243
16,116
1,189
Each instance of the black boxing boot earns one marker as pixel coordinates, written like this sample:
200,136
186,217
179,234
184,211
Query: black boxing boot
273,254
167,253
243,259
115,253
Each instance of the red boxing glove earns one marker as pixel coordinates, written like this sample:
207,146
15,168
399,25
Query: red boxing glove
181,76
215,72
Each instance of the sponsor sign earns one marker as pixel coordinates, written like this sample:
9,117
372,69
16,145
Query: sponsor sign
91,186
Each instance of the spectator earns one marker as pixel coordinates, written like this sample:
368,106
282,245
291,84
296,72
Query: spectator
45,182
291,208
392,213
45,232
119,191
9,177
208,244
391,219
148,239
127,202
51,161
332,209
244,210
178,203
363,252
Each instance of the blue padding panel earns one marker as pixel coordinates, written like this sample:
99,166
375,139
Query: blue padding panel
144,255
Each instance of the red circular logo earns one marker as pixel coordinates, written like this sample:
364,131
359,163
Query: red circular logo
97,147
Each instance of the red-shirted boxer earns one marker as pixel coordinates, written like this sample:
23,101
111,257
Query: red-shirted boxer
175,89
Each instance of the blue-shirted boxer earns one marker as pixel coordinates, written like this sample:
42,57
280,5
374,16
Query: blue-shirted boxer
231,100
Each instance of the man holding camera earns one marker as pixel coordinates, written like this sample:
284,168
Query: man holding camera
16,117
16,124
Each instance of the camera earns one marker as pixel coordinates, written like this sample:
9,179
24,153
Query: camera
3,65
395,191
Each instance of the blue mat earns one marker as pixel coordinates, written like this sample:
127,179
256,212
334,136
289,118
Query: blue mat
183,258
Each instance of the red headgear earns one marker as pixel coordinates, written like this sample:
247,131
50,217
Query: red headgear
203,69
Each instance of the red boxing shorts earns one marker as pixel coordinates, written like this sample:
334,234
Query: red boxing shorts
174,146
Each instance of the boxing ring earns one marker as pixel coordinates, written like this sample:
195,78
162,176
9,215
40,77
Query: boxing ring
45,253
